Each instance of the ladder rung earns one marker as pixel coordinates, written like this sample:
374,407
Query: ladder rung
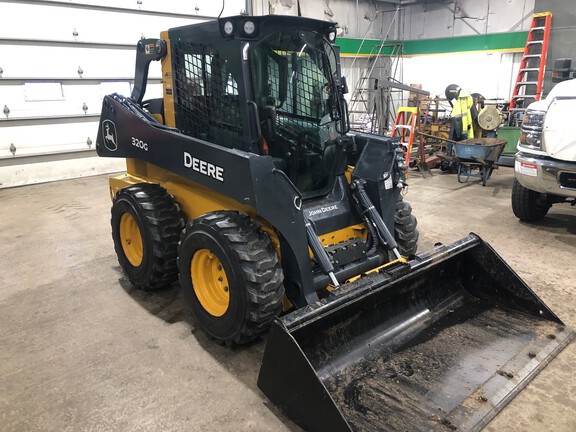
532,56
524,97
523,83
537,28
529,69
535,42
403,127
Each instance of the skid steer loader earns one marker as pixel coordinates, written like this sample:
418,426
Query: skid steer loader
244,182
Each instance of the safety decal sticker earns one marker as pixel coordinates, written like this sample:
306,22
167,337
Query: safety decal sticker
526,168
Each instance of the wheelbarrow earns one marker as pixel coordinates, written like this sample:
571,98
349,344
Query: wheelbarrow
476,157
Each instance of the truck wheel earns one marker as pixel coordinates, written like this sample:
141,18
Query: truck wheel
146,227
405,232
528,205
230,276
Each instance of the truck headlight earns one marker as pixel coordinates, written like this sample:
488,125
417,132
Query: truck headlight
533,119
531,139
531,131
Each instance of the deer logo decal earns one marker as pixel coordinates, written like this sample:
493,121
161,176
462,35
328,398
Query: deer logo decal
110,136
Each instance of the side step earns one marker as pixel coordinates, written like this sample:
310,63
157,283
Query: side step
443,342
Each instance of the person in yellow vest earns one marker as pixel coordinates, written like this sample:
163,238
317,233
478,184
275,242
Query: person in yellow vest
463,112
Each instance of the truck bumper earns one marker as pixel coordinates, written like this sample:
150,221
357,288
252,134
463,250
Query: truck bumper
545,175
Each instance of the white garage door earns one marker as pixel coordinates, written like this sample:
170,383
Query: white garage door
58,59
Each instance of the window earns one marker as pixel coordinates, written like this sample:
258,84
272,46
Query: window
207,101
293,81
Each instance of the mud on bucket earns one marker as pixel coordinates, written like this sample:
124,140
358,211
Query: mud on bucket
441,343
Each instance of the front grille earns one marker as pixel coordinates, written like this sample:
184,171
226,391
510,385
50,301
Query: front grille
568,180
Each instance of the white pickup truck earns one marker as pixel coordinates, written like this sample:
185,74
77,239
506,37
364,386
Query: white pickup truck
545,165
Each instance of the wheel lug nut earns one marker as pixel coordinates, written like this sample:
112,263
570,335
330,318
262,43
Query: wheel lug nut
225,289
219,267
220,279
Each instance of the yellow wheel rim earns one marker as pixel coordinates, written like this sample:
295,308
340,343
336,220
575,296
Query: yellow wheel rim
131,239
210,282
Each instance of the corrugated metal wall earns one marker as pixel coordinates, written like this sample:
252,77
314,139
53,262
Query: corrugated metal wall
413,19
57,60
562,35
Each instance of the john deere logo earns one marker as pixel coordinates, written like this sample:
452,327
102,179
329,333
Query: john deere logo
110,136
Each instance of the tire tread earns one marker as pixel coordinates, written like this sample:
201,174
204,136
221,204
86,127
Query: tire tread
262,272
165,223
405,228
528,205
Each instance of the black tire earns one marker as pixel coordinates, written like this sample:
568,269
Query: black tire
151,213
405,231
528,205
242,301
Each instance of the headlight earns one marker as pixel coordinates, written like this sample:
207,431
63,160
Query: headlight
532,139
228,27
531,132
249,27
533,119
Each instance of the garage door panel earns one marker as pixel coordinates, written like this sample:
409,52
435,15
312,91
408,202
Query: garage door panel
77,100
40,169
52,62
84,25
47,138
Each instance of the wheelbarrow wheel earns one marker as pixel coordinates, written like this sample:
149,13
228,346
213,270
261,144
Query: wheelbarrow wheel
463,170
486,173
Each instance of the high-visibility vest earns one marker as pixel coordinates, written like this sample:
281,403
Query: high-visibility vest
461,108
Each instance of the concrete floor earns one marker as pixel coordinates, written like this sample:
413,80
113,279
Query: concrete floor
80,349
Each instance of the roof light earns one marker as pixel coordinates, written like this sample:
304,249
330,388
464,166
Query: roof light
228,27
332,36
249,27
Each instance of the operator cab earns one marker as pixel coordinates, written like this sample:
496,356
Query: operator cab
274,91
294,80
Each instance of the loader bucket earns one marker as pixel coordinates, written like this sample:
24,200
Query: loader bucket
442,342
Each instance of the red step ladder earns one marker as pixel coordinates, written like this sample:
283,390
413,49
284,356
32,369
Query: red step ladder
404,128
528,87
